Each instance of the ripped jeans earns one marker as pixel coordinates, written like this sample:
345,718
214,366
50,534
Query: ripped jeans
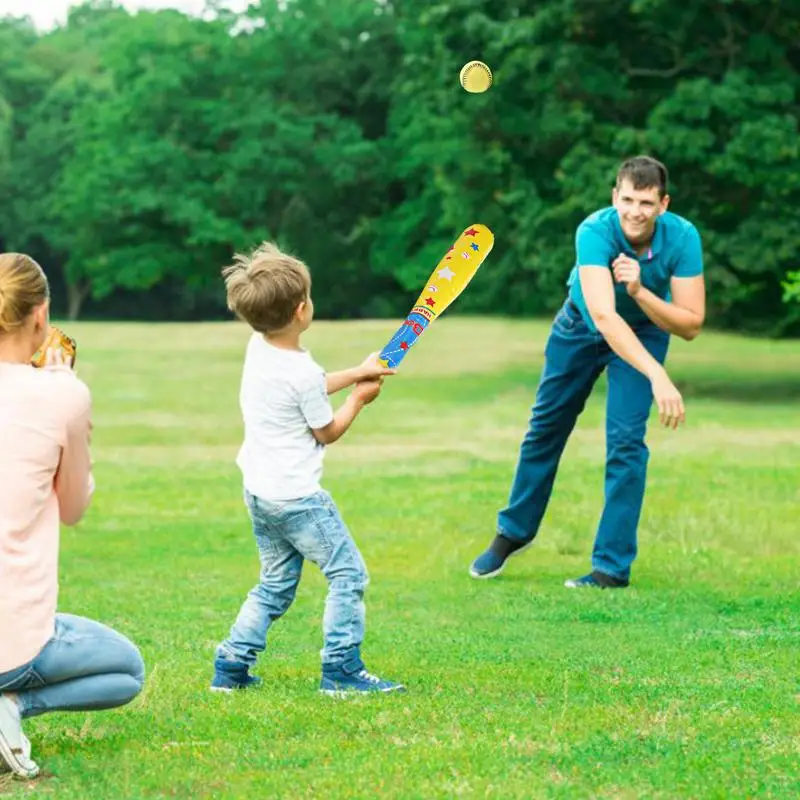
288,533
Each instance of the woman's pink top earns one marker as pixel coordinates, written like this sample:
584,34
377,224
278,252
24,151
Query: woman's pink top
45,479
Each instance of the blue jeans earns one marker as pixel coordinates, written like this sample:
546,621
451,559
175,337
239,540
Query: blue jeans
287,533
85,666
575,356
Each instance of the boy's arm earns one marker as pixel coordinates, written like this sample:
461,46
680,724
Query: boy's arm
341,421
336,381
369,369
325,425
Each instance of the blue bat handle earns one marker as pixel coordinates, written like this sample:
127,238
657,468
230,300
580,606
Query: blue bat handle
403,340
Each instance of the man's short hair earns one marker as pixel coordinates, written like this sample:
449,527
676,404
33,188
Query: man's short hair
265,288
643,172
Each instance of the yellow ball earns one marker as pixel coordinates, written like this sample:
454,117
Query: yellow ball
475,77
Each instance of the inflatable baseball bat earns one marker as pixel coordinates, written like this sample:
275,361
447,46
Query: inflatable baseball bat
445,284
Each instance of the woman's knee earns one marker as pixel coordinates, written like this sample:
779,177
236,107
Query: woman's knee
134,666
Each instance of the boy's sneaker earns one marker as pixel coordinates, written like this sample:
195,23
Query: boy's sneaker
492,561
15,749
337,683
231,675
596,580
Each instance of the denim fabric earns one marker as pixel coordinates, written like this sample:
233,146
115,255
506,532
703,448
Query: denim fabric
85,666
288,533
575,356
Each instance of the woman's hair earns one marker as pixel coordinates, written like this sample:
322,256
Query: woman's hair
265,288
23,286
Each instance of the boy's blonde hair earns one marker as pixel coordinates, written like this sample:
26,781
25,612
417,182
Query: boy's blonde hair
265,288
23,286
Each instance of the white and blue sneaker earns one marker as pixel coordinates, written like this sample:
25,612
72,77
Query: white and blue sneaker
339,683
15,749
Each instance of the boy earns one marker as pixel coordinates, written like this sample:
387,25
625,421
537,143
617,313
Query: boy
288,421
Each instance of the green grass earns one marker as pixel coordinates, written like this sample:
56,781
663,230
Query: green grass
684,686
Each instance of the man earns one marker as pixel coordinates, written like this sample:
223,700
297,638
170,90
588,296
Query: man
638,277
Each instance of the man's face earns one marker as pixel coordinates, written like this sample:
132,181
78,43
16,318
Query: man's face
638,210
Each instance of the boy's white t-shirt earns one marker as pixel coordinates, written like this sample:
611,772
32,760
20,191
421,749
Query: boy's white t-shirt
283,396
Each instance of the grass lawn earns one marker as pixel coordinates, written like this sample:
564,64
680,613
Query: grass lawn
683,686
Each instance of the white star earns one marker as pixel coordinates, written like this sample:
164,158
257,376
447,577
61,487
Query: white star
446,273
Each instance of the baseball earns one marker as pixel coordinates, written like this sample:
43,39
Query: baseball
475,77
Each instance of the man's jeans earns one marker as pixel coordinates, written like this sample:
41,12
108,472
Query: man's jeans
85,666
574,358
286,534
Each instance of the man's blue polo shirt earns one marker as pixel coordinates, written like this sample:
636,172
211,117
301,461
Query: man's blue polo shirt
674,251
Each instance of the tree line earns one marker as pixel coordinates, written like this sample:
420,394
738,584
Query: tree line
138,152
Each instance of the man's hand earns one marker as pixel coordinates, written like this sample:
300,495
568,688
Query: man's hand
627,271
668,399
371,369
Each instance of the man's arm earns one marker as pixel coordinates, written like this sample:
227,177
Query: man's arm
598,291
685,315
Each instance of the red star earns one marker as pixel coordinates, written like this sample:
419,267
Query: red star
404,345
430,301
471,232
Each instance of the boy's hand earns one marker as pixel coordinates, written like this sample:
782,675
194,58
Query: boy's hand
366,391
371,369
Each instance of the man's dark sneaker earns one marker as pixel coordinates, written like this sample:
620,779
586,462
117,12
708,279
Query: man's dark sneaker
491,562
339,683
596,580
231,675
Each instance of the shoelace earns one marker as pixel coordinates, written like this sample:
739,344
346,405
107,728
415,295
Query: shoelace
367,676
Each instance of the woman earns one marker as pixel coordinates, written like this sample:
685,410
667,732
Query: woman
48,661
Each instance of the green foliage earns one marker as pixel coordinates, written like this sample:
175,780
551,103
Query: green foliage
791,287
139,152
